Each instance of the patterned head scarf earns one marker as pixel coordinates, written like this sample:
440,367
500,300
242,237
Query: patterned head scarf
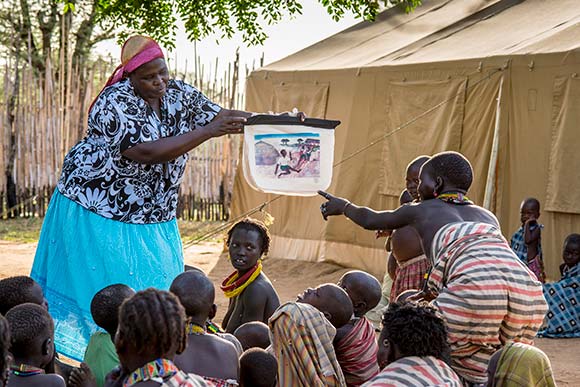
136,51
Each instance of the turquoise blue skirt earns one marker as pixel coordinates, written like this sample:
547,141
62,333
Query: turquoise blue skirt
80,252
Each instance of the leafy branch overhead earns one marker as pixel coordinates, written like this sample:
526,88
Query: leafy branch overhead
157,18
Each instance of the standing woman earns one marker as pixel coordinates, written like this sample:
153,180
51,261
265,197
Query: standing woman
112,217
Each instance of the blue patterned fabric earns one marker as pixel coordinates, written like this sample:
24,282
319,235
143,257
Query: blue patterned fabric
519,246
563,318
80,252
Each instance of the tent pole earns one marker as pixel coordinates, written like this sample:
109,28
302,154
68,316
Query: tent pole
491,172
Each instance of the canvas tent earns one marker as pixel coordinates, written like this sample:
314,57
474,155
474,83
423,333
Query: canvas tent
497,80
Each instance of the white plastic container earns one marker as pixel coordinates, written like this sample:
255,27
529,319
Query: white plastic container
286,156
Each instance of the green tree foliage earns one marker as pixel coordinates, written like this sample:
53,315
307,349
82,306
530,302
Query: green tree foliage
35,29
204,17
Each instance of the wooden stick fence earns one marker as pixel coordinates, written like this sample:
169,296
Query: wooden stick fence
50,117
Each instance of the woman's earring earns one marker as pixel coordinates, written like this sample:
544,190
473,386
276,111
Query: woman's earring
435,193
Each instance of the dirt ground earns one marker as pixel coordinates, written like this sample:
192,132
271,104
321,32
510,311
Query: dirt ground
290,278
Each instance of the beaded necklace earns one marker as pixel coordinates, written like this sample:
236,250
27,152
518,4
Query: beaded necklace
25,370
160,368
233,286
454,198
194,329
211,327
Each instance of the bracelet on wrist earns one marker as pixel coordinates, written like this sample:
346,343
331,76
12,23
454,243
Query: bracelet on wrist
345,206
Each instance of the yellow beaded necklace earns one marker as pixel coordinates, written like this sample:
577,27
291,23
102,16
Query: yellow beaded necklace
233,285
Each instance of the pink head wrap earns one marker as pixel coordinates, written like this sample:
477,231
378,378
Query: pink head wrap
136,51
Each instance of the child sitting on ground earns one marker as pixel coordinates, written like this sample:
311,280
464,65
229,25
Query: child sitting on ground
19,290
527,240
331,300
32,347
413,348
4,346
213,328
476,278
302,339
207,355
570,254
253,334
355,343
252,296
258,368
151,332
563,317
100,354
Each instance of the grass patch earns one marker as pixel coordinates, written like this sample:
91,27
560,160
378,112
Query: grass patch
191,230
21,230
27,230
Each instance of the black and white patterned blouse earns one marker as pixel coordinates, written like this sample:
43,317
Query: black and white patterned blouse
99,178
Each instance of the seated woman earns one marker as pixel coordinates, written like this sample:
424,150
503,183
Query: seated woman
413,348
519,364
562,296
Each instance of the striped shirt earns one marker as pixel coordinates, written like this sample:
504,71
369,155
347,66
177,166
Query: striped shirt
302,343
487,296
416,371
357,353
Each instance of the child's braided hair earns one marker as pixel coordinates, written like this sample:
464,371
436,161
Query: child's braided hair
153,322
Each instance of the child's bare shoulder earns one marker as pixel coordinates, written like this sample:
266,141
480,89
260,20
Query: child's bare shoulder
225,346
261,285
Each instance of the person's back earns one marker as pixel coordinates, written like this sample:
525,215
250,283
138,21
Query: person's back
207,355
211,357
437,214
32,333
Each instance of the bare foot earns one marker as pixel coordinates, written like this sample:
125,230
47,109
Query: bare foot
82,377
